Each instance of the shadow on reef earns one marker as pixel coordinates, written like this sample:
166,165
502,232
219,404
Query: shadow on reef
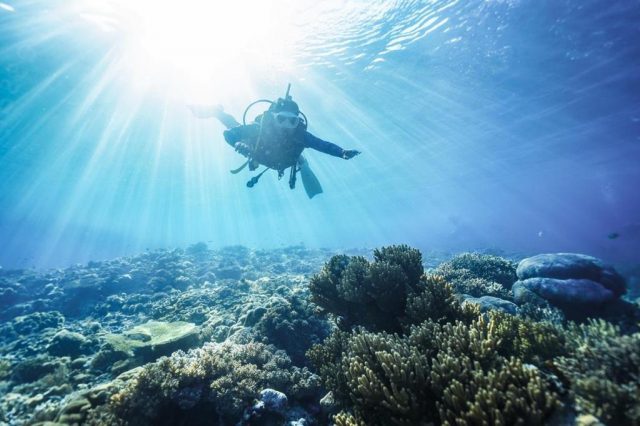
285,337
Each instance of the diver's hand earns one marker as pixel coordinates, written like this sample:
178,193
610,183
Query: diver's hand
348,154
242,148
206,111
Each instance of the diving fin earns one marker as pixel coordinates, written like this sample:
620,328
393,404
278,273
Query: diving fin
206,111
217,111
239,169
309,180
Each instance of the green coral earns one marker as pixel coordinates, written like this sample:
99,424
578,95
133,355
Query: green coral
5,368
448,365
604,371
327,358
289,323
218,379
488,267
510,394
371,294
409,259
434,300
479,275
444,373
346,419
528,340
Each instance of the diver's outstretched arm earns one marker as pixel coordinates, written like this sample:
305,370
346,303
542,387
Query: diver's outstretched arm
208,111
311,141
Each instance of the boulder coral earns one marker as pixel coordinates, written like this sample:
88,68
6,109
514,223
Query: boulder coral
290,324
580,285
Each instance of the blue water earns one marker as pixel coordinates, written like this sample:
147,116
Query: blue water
511,125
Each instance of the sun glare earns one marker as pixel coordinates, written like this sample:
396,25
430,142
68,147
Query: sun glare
194,45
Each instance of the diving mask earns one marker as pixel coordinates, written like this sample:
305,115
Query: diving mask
287,120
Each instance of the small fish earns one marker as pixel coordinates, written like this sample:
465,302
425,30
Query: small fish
613,235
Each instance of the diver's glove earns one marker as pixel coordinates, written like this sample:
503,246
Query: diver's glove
242,148
349,153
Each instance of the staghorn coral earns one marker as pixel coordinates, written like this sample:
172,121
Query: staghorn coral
388,379
346,419
528,340
434,300
479,275
217,380
371,294
438,373
455,366
409,259
603,370
511,394
327,358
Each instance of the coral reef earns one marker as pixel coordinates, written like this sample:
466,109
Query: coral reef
109,342
145,343
482,365
490,303
289,323
528,340
371,294
218,379
435,300
84,318
603,370
445,373
572,266
479,275
581,286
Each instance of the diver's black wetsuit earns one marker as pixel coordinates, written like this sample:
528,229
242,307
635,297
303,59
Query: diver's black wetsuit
276,151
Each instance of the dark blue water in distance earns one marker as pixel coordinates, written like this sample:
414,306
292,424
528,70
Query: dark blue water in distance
503,124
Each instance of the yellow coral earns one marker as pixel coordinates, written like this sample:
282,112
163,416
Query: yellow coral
604,371
346,419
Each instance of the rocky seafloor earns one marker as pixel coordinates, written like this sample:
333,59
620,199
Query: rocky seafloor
298,336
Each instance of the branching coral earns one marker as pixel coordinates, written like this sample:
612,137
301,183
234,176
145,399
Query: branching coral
371,294
409,259
479,275
443,373
526,339
488,267
220,379
604,371
327,359
454,366
346,419
511,394
434,300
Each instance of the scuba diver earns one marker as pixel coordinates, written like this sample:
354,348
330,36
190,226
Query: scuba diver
275,140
